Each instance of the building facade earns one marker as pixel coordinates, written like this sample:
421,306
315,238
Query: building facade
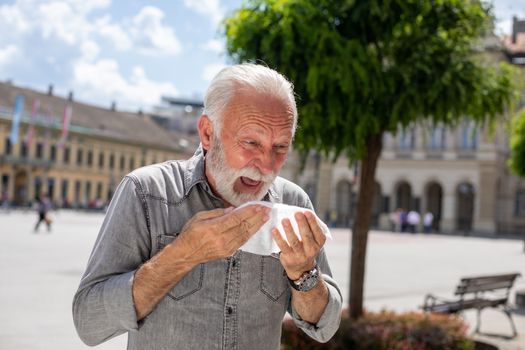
459,175
102,146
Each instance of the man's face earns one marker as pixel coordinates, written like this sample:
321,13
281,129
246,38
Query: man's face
251,149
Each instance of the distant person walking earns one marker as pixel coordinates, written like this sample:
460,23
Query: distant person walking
403,218
428,219
395,220
44,206
413,219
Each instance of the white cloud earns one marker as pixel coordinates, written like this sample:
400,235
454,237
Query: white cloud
13,20
151,36
211,70
90,50
214,45
102,81
114,33
209,8
8,55
61,20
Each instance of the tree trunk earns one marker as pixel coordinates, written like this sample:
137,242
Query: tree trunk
362,223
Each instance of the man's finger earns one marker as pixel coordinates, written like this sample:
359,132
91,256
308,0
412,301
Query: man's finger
318,234
236,217
210,214
281,243
246,228
293,241
305,230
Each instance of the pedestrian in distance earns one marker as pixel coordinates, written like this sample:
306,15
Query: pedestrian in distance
428,219
413,219
43,208
166,267
403,219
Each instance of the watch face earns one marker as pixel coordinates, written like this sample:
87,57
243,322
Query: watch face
308,283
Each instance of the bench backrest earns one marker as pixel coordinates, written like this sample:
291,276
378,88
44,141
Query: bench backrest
486,283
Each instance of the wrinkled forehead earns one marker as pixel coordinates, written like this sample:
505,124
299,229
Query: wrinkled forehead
249,103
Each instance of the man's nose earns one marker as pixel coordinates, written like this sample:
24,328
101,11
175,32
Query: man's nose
266,162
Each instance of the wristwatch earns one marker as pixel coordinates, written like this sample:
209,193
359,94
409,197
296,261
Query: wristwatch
307,281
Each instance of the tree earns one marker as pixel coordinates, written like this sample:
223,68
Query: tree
517,144
366,67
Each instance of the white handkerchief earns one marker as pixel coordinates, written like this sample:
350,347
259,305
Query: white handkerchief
262,242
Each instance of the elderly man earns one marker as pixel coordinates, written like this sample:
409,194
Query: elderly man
166,266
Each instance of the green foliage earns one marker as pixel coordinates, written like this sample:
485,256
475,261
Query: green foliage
364,67
517,144
387,331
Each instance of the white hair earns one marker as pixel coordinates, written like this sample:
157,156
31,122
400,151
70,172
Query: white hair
247,75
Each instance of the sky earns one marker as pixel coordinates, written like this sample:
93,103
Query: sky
131,52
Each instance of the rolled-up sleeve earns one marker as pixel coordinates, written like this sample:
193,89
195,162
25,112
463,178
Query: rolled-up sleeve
331,317
103,305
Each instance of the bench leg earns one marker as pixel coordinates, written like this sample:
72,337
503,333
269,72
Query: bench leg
478,321
507,312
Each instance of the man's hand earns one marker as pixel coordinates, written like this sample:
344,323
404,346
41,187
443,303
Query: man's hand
298,256
209,235
218,233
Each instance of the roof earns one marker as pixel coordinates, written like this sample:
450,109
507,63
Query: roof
517,46
87,119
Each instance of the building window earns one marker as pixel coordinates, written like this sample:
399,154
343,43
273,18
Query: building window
111,161
80,156
67,155
407,139
122,163
436,139
64,187
90,158
101,160
77,193
39,150
519,204
8,146
131,164
5,186
87,195
469,136
23,151
51,188
38,186
53,154
99,190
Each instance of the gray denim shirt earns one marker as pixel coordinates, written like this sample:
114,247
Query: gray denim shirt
233,303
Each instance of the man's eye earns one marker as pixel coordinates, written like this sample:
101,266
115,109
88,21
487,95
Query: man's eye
250,143
281,148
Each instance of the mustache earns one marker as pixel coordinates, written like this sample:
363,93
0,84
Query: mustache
255,174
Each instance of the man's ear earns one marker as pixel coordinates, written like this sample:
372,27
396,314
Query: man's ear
205,127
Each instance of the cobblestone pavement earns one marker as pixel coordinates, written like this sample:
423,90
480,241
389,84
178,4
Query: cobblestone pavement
40,273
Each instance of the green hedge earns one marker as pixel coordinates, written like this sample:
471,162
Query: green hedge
387,330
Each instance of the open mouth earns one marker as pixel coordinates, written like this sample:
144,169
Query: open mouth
249,182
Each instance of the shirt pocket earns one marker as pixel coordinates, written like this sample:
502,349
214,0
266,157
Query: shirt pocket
274,282
189,284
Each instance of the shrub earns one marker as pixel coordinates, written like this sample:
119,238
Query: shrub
387,330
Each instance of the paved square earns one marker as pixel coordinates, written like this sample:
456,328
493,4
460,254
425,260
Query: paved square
40,273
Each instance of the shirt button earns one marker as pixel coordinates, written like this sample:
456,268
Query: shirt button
230,310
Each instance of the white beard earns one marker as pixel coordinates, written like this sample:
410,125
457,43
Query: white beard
225,177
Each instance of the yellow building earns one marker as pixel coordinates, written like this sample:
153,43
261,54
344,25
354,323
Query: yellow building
102,146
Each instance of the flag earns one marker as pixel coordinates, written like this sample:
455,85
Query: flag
31,128
17,115
65,126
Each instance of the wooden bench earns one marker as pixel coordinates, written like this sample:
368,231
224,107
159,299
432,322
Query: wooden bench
477,293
